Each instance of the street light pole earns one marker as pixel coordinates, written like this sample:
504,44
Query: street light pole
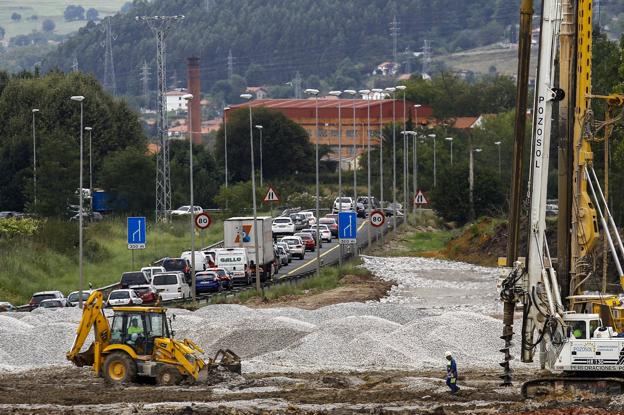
353,94
405,177
188,98
450,139
225,150
89,129
498,144
392,90
34,111
253,195
434,159
471,181
315,93
366,92
80,98
337,95
259,127
415,159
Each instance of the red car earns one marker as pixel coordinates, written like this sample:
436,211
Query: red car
308,240
223,276
147,293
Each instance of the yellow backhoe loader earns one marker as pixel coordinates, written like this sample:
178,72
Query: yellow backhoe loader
139,342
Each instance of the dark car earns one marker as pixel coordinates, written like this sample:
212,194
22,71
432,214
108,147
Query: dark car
178,264
331,223
299,220
360,209
89,217
364,201
37,298
207,281
10,214
308,240
226,279
132,278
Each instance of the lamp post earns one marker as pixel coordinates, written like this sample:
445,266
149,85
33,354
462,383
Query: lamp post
80,98
415,158
498,144
315,93
450,139
366,92
391,91
380,93
471,181
225,150
89,129
188,98
337,95
353,94
259,127
434,158
253,195
34,111
405,177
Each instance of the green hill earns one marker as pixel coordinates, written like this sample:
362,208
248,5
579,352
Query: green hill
271,40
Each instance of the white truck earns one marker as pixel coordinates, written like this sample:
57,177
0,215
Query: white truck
238,232
236,262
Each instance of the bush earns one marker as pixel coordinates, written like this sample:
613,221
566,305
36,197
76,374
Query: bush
13,227
60,236
48,26
95,252
16,17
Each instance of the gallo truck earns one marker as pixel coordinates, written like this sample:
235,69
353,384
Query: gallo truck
239,233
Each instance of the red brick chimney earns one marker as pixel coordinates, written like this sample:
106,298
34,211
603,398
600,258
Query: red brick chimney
192,76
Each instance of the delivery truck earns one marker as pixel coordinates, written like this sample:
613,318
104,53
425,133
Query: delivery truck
238,232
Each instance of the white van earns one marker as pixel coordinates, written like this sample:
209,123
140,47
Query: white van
201,262
171,285
149,271
236,262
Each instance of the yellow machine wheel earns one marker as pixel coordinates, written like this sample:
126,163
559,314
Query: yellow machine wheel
119,368
168,376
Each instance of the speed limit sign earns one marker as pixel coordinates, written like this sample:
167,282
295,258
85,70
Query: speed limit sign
203,221
377,218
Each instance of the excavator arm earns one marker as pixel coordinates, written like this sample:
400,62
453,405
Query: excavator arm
92,317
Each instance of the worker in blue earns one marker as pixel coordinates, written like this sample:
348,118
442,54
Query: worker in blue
451,373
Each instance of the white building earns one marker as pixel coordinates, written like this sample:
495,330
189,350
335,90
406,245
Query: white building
175,101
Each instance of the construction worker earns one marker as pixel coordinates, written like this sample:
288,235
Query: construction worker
451,373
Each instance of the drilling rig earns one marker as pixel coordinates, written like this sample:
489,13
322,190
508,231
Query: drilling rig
574,333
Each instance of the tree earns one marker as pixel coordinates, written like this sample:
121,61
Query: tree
2,32
286,146
128,175
48,26
73,12
92,14
16,17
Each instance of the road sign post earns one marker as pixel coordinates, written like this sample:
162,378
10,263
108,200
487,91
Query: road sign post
377,218
136,235
419,201
270,197
202,222
347,228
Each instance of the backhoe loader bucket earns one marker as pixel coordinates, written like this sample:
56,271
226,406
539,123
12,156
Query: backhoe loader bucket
228,360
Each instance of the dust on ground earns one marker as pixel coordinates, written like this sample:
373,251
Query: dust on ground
353,288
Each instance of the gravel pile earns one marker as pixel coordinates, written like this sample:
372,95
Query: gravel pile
436,306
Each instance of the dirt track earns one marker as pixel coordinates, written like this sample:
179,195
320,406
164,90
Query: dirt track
76,391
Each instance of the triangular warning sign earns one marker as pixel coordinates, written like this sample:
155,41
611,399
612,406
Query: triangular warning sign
271,196
420,199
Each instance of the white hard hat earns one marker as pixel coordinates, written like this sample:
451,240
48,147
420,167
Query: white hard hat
447,354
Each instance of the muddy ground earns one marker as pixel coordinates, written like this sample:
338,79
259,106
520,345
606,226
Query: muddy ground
353,288
76,391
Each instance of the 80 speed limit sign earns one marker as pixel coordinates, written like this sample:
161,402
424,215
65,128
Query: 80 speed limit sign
203,221
377,218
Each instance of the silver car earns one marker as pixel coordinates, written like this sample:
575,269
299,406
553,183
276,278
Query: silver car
297,247
123,297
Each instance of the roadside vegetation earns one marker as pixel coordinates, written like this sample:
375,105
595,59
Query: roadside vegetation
46,257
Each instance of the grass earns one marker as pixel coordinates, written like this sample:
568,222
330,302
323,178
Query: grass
49,9
420,242
328,279
49,259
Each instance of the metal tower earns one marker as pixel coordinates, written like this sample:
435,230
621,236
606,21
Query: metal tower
230,64
297,86
394,32
109,66
159,26
75,65
426,56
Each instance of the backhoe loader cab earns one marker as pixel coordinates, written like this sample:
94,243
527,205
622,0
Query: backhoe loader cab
139,342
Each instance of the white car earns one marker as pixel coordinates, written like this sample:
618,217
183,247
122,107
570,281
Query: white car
343,204
326,234
171,285
287,249
283,225
296,245
186,210
310,217
201,261
149,271
123,297
74,296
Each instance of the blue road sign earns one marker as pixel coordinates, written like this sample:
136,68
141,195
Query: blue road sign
347,227
136,233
